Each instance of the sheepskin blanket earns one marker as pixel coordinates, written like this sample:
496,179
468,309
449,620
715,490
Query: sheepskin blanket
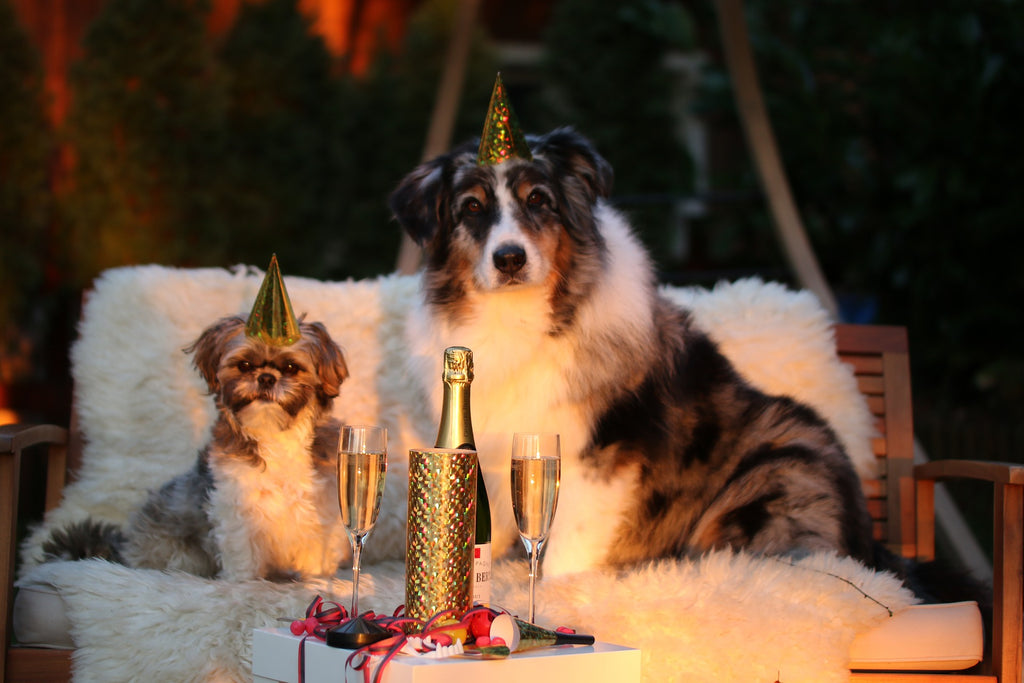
724,617
144,413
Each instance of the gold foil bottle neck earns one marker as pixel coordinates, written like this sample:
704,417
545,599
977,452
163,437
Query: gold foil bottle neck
456,427
458,364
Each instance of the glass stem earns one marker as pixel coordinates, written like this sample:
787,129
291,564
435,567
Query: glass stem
534,559
357,551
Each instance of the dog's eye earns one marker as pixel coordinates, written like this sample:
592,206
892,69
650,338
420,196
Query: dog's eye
244,366
291,369
473,206
536,199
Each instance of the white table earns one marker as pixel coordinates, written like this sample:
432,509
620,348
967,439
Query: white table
275,660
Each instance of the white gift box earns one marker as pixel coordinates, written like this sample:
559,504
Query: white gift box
275,659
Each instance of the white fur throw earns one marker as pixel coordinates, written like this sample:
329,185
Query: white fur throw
144,414
722,618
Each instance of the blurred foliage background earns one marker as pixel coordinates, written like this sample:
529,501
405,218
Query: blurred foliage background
26,203
898,126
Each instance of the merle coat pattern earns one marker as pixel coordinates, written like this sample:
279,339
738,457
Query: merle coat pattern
526,263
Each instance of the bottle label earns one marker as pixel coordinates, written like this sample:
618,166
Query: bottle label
482,574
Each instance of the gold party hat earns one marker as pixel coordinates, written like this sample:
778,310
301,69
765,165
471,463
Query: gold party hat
502,138
272,320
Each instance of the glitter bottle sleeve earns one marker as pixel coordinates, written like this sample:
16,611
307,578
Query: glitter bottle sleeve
441,529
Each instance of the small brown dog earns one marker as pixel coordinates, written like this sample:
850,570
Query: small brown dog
261,499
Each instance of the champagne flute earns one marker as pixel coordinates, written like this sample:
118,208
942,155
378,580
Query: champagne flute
536,474
362,464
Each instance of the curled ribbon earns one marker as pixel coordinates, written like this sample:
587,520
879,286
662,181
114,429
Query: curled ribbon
443,635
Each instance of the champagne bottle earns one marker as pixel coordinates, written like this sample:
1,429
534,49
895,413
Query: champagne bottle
456,431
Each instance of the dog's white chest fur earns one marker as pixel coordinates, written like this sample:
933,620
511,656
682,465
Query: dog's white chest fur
522,383
279,518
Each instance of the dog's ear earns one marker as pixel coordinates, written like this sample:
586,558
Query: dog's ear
574,157
416,202
209,347
330,361
583,176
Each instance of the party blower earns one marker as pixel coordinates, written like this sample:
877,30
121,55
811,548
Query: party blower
521,635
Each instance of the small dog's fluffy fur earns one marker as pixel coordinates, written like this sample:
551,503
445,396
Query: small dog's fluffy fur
261,499
666,449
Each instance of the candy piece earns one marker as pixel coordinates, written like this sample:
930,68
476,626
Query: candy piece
480,624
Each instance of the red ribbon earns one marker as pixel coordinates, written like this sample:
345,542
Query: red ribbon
315,624
322,616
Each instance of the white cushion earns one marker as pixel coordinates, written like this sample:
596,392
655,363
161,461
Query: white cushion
40,617
942,637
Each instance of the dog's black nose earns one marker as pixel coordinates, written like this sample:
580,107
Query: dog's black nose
509,258
266,380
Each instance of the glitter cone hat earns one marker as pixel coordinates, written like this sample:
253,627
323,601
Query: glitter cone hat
502,138
272,320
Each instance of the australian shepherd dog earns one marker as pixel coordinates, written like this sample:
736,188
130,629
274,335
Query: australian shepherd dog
667,451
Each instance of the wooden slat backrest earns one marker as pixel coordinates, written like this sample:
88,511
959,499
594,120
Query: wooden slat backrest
880,360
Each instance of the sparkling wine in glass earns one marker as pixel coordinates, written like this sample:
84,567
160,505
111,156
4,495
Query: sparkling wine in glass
536,471
362,464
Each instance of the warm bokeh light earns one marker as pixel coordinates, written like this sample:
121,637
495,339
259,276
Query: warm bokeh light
354,29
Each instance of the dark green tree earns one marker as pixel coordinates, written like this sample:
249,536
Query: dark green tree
286,163
899,128
146,127
605,65
26,150
388,112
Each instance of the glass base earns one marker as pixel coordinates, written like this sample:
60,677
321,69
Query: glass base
355,633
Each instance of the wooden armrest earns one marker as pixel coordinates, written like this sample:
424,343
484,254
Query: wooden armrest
14,440
984,470
1007,553
15,437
